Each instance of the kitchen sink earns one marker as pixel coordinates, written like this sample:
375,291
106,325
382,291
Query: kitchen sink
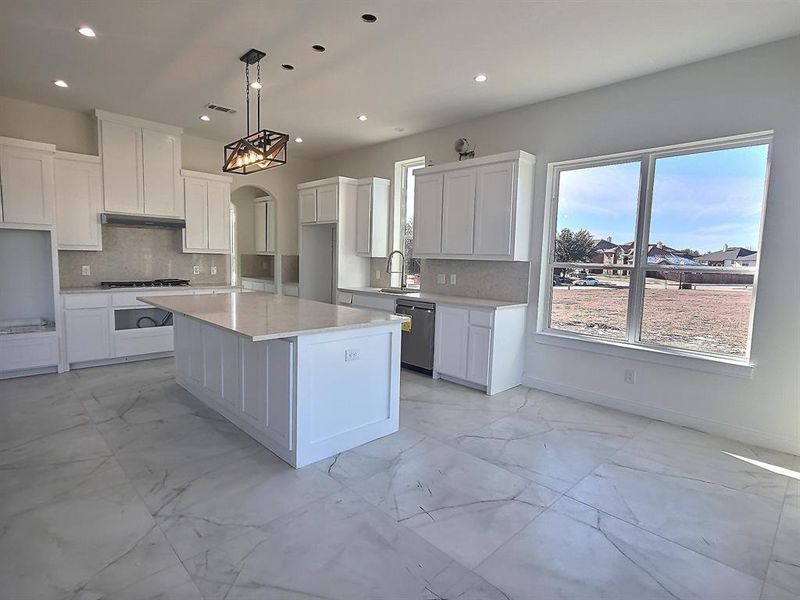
393,290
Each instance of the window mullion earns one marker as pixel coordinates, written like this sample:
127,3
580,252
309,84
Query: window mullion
637,280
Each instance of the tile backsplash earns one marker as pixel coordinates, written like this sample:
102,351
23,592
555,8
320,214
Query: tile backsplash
490,279
139,253
290,268
257,266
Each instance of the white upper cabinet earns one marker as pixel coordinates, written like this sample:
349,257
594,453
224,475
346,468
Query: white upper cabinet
307,205
478,209
320,201
141,166
458,211
79,201
372,217
327,203
207,205
26,182
428,215
265,225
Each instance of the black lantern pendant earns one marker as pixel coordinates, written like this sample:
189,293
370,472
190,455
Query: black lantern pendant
263,149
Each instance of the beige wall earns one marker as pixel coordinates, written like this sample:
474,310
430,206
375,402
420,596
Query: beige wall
752,90
75,131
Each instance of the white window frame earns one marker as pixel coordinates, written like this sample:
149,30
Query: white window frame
633,347
401,168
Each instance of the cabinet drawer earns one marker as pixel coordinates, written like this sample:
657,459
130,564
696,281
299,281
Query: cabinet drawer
482,318
85,301
143,341
27,352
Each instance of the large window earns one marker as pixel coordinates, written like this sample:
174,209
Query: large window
658,248
404,217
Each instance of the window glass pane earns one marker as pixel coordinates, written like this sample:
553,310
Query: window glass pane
590,301
707,207
412,265
596,219
698,311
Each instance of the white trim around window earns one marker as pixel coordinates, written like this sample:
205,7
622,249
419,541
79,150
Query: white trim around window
633,347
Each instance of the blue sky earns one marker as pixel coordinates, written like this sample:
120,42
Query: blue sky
700,201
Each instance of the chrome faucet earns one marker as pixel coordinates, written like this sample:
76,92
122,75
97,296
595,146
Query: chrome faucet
402,268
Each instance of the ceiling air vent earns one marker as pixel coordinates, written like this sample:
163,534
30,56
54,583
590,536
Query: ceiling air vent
223,109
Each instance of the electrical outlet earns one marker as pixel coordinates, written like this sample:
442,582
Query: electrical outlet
630,376
377,273
351,354
196,270
213,270
452,278
86,270
441,278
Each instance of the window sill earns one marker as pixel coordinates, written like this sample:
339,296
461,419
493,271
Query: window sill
682,360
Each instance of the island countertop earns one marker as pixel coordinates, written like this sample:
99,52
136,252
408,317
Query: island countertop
260,316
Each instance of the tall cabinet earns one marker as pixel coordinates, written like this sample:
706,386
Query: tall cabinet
141,166
208,212
479,209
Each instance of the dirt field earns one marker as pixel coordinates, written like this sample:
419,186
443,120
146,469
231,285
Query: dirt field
709,320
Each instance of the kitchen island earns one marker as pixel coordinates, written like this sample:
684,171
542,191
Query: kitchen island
305,379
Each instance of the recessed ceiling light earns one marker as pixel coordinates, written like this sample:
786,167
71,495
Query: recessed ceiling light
362,117
205,118
60,83
256,85
318,48
480,78
299,140
86,31
287,67
368,18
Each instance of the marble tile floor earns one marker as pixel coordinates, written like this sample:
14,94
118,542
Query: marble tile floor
117,484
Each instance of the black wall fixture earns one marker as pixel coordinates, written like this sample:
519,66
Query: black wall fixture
263,149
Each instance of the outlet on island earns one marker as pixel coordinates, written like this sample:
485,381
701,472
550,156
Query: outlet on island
351,354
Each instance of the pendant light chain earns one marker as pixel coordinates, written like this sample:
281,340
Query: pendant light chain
247,93
258,109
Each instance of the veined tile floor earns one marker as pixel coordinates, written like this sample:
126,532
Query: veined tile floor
117,484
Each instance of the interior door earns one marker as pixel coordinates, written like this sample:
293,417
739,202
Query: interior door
317,262
196,232
219,216
327,203
363,219
161,167
494,207
428,214
458,212
307,205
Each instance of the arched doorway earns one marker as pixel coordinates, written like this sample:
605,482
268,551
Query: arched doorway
254,246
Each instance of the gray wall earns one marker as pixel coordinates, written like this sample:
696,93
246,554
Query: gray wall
751,90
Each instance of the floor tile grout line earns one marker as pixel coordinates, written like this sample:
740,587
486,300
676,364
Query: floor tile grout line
775,537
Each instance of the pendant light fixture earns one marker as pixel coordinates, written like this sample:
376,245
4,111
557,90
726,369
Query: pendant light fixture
263,149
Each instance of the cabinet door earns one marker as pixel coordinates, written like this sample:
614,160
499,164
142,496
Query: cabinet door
78,204
363,219
219,216
494,209
121,150
452,332
307,209
254,383
458,212
428,214
261,226
27,185
161,156
478,354
272,227
88,334
327,202
196,233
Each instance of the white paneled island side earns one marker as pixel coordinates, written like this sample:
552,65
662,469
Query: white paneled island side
305,379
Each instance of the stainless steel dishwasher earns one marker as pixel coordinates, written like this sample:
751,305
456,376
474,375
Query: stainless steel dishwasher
416,348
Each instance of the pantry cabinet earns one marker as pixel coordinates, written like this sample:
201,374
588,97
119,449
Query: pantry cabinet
207,200
372,217
79,201
479,209
26,182
141,166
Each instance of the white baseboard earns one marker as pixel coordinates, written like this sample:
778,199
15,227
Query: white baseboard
734,432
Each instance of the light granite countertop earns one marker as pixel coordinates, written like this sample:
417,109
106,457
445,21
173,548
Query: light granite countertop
259,316
96,289
440,298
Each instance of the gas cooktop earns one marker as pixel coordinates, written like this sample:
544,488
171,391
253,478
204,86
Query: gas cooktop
148,283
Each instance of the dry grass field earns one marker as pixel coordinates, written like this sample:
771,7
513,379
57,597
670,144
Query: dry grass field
709,320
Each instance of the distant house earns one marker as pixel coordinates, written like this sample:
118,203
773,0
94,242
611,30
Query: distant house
733,256
609,254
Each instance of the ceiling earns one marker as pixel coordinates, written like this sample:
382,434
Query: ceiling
411,71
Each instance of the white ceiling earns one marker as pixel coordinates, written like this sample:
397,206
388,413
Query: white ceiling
412,69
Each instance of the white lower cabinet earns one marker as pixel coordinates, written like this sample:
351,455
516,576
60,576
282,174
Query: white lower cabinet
88,334
483,347
24,351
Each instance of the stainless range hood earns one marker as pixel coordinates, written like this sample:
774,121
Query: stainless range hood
141,221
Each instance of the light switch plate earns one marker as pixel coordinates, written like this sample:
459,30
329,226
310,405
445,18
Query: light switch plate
196,270
86,270
452,279
213,270
441,278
